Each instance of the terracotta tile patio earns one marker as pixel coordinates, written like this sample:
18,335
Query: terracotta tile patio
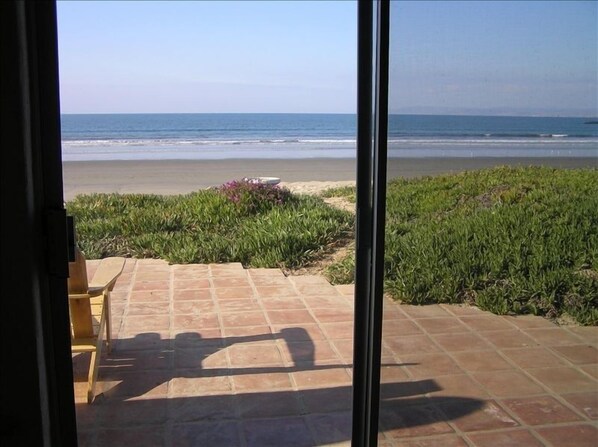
216,355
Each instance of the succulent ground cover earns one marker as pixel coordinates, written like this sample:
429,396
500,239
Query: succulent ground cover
257,225
521,240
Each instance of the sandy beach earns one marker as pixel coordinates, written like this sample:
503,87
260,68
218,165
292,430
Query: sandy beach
304,175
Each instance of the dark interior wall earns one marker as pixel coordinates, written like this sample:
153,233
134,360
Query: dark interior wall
36,395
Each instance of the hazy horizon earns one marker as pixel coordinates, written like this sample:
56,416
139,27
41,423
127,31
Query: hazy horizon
447,58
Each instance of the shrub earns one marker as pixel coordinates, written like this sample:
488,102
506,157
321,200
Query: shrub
254,198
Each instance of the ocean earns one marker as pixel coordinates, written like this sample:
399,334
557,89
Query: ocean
208,136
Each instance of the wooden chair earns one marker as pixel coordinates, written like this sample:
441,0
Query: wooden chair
89,304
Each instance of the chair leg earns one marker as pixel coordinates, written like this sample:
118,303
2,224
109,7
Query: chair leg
94,363
108,322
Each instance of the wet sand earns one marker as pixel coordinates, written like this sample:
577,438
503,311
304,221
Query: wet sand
184,176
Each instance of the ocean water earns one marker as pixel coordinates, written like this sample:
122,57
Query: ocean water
289,136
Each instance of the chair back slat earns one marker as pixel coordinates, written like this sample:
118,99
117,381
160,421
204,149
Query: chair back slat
80,309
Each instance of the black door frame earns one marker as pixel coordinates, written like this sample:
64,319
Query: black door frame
37,399
372,132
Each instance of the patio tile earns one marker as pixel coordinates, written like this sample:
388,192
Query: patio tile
579,354
331,428
151,340
202,408
308,280
477,415
412,344
276,291
553,336
213,434
529,321
319,302
462,310
591,370
148,276
243,334
345,349
444,441
282,303
481,361
196,322
201,358
316,289
328,315
426,311
199,386
505,438
508,384
393,312
289,431
186,268
253,355
192,295
299,332
238,319
227,268
222,357
193,307
400,327
391,373
270,280
509,339
318,378
267,273
197,338
486,322
430,365
586,403
580,435
540,410
137,360
151,285
290,316
458,385
442,325
145,384
86,438
308,352
336,331
564,380
346,289
261,382
231,282
146,323
264,405
132,412
587,333
533,358
399,422
182,284
328,399
228,293
147,309
468,341
239,305
146,436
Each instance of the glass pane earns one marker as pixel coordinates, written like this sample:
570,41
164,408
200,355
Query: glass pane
491,216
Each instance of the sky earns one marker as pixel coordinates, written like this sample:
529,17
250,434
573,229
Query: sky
496,58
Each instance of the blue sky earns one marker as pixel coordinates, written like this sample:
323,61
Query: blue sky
528,58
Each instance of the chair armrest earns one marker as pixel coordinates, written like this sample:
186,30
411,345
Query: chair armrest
106,275
79,296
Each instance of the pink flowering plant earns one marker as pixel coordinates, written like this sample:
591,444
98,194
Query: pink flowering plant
254,198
